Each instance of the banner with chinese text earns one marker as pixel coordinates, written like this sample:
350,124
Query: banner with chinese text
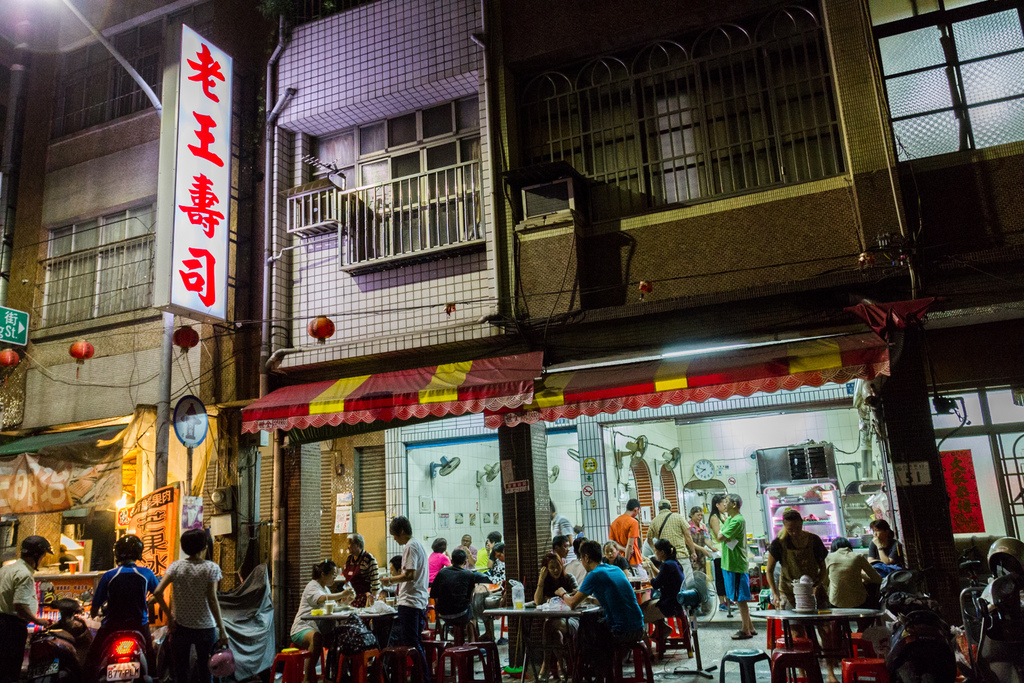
155,521
962,487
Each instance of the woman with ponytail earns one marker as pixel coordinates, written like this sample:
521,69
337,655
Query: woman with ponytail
304,632
667,578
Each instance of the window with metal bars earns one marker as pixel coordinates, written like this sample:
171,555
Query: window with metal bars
954,77
95,89
99,267
738,108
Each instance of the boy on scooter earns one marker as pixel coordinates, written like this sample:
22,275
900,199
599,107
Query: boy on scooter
125,591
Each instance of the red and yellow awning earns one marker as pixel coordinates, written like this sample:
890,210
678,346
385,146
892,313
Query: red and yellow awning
493,384
721,375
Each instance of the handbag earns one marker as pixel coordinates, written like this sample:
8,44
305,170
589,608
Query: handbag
354,637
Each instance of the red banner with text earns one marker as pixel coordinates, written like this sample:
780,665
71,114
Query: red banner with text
962,487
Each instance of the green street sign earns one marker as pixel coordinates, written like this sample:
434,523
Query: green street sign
13,326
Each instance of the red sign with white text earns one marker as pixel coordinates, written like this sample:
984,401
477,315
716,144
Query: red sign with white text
202,183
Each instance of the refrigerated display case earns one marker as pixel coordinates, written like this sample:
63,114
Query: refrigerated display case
802,477
817,502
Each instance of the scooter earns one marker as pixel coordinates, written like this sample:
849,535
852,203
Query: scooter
921,649
124,658
1000,653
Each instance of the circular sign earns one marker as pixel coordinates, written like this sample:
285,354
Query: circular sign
190,421
588,491
732,481
590,465
124,517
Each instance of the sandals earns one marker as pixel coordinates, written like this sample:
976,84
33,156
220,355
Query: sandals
743,635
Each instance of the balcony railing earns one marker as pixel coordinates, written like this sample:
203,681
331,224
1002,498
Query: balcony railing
113,278
408,218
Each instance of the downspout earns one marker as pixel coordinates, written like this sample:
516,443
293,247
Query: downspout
7,171
277,514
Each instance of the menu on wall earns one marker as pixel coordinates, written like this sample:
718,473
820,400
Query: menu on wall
155,521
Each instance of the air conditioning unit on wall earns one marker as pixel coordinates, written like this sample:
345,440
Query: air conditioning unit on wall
564,194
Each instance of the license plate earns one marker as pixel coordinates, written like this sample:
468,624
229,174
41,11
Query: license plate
124,671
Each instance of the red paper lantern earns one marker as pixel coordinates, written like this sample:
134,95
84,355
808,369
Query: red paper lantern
81,351
185,338
320,328
9,358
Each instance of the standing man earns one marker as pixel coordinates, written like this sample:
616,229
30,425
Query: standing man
625,531
19,604
412,591
674,528
733,537
561,526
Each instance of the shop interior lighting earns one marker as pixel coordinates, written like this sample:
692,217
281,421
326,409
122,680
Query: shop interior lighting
69,543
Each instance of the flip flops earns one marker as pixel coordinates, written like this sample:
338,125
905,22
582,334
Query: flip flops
742,635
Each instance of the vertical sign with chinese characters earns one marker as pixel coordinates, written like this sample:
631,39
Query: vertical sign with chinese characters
197,243
155,521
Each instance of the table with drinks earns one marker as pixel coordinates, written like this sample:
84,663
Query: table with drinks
527,611
379,624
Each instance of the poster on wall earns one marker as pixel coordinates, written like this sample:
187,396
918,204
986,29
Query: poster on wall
962,487
443,521
155,521
191,512
487,518
495,518
472,519
460,518
343,519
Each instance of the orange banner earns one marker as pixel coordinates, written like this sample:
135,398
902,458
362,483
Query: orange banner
29,483
155,521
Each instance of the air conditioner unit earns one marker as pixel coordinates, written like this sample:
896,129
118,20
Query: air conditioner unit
551,197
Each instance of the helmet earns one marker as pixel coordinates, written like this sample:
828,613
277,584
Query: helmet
1007,555
128,548
222,662
36,546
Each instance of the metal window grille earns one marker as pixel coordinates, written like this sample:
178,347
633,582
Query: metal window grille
114,277
740,109
954,78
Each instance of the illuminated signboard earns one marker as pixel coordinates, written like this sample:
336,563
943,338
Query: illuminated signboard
196,245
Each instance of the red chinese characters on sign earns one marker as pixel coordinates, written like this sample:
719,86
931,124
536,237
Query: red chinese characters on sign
205,138
207,69
199,276
203,200
962,487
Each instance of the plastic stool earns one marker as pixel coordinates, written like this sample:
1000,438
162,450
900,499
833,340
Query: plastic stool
746,659
862,649
641,662
432,650
404,663
293,664
855,670
680,635
462,659
799,645
489,651
774,630
362,664
457,632
785,662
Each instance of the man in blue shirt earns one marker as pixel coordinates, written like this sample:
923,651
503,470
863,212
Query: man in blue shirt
623,623
125,591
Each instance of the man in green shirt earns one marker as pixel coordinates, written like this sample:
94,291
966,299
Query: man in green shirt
733,537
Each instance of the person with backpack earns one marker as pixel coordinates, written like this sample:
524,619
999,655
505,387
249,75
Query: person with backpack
673,527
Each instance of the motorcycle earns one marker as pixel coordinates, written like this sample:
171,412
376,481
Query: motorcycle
124,658
921,647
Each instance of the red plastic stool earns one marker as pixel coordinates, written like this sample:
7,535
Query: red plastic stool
862,649
874,670
799,645
404,663
641,662
432,650
786,667
361,665
680,635
489,651
774,629
462,659
293,664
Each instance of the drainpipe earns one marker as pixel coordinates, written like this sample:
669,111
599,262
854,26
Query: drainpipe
7,169
270,144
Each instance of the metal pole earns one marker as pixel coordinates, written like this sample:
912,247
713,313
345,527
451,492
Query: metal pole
188,470
163,406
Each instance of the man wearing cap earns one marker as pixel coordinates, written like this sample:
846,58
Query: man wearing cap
19,604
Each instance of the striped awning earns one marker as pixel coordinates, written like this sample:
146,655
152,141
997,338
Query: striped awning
494,384
675,381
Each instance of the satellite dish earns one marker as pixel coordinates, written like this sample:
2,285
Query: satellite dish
489,474
574,454
553,477
672,458
443,468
